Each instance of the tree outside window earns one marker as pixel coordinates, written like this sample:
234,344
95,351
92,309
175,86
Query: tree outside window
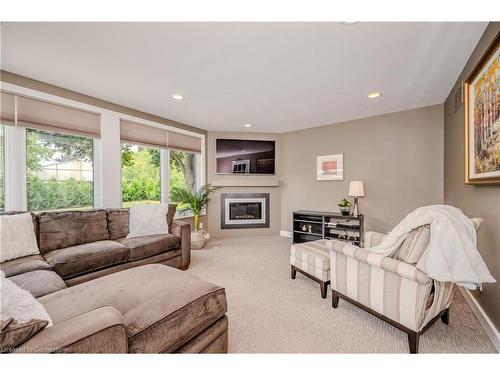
183,173
140,175
59,171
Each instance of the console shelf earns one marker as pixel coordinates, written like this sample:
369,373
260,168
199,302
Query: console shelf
312,225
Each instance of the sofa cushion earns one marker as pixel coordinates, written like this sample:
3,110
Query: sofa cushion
39,283
14,334
75,260
59,230
146,246
25,264
118,220
162,307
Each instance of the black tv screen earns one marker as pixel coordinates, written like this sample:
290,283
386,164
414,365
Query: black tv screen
241,156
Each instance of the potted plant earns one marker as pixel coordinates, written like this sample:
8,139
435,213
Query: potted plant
195,200
345,206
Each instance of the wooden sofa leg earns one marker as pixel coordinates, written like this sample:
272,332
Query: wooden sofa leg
335,300
413,338
323,287
445,318
293,272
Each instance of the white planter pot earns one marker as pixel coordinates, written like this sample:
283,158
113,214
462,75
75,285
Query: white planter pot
198,239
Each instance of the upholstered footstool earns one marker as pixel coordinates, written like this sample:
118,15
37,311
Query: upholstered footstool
311,259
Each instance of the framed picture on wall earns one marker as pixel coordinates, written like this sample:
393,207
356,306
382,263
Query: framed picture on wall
330,167
482,120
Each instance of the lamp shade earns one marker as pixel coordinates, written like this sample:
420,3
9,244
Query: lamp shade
356,189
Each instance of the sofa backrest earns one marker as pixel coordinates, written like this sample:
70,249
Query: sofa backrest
69,228
118,219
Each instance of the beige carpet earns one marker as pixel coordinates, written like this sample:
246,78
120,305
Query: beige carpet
270,313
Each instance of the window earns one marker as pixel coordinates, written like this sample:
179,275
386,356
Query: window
2,170
59,171
184,172
140,175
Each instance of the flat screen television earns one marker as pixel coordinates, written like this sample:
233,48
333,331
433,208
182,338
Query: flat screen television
243,156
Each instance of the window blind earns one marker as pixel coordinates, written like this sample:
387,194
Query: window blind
131,132
7,108
41,115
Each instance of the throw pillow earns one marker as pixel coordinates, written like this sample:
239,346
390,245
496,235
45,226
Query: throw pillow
14,334
148,219
414,245
17,236
19,304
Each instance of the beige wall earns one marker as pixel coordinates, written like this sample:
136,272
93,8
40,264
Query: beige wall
399,156
483,201
243,184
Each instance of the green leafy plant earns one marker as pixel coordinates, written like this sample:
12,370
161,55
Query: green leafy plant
344,203
195,200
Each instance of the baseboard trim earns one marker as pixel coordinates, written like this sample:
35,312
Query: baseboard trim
484,320
284,233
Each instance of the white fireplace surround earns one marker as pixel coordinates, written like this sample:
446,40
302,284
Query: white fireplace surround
261,220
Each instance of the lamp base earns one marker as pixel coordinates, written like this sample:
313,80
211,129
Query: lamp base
355,211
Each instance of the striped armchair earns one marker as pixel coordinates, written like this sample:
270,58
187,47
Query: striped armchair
392,289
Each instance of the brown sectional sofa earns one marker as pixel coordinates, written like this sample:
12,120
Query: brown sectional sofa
146,308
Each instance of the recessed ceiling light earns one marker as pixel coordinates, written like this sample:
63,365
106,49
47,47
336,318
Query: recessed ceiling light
374,95
349,23
247,125
177,97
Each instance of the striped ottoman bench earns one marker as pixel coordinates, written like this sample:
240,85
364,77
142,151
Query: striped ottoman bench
311,259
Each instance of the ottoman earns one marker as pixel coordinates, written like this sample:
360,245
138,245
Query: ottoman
311,259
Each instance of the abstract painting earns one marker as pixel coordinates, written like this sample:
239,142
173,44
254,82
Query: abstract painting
483,120
330,167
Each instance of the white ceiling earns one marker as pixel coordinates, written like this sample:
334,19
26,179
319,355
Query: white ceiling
276,76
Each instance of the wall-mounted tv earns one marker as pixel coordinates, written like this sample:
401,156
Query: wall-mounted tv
243,156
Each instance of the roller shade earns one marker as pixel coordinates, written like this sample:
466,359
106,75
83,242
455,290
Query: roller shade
131,132
37,114
7,108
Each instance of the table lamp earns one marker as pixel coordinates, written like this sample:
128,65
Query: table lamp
356,189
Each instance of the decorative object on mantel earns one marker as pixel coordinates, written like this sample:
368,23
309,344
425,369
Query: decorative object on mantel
356,189
195,201
330,167
482,120
344,206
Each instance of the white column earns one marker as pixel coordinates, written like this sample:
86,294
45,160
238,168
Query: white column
109,168
15,168
165,176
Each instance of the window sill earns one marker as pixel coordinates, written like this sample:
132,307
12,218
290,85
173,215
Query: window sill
188,216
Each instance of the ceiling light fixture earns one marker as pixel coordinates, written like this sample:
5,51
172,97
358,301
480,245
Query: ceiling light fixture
177,97
247,125
349,23
374,95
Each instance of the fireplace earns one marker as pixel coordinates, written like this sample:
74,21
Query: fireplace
240,211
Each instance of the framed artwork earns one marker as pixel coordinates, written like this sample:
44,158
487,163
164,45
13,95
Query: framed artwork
482,120
330,167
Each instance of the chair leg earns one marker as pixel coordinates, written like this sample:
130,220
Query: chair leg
413,338
335,299
293,272
445,318
323,287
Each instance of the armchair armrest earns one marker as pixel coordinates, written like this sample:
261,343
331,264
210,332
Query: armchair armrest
183,231
98,331
405,270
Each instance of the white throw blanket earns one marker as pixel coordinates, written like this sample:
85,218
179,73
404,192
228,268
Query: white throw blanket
451,255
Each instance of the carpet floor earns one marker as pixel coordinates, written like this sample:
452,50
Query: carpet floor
271,313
